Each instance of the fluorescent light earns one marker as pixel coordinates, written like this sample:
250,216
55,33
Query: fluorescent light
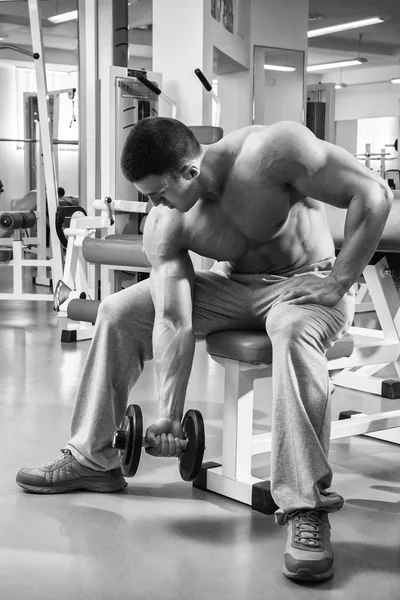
395,80
68,16
279,68
344,27
336,65
340,86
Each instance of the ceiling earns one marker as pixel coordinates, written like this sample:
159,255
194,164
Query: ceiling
380,44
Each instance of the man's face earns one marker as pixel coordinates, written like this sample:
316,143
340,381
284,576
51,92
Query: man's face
179,194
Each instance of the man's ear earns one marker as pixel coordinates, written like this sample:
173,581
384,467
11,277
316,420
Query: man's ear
190,171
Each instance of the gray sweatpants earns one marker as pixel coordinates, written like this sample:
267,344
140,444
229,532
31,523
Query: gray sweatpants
300,335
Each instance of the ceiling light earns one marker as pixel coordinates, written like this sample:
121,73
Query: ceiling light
336,65
340,86
279,68
344,26
395,80
63,17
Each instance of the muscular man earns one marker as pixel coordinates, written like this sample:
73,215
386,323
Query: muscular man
254,201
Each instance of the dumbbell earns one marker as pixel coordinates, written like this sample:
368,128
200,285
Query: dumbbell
129,441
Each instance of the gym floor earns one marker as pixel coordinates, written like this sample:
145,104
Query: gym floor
160,538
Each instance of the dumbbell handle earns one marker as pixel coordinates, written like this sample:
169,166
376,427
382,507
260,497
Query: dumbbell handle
120,441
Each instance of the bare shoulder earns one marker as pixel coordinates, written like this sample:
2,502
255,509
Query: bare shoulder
287,139
164,234
268,146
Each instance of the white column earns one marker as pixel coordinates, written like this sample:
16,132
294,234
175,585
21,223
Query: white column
178,47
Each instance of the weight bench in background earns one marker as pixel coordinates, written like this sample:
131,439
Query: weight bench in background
246,357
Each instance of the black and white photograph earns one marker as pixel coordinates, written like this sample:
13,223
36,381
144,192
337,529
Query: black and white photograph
199,300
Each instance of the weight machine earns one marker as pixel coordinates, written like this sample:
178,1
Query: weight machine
381,156
46,184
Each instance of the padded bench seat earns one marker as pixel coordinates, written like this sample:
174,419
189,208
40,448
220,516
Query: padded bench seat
254,347
6,254
123,250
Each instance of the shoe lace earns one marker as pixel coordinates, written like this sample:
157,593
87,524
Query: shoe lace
308,529
64,453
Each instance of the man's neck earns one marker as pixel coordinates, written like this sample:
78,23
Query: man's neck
214,169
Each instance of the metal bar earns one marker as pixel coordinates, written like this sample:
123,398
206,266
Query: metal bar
45,134
41,205
16,48
33,141
361,424
88,101
25,296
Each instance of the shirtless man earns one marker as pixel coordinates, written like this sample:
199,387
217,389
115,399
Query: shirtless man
253,201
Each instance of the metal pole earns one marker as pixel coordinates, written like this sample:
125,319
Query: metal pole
41,277
44,122
88,102
33,141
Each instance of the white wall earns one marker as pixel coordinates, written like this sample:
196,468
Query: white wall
363,101
232,44
234,91
280,24
283,97
177,50
140,62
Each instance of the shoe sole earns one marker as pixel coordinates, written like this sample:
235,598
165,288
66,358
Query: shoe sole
71,487
307,575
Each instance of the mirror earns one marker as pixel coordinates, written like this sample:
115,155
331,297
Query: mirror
278,85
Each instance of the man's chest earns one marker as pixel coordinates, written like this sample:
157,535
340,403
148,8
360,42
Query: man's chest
244,216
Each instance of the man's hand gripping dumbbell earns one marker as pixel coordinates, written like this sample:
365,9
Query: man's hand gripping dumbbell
165,438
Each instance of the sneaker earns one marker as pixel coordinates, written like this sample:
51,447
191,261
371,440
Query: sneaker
308,553
66,474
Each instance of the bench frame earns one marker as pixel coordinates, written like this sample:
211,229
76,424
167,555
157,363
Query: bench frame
374,349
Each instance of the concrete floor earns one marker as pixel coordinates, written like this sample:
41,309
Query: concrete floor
160,538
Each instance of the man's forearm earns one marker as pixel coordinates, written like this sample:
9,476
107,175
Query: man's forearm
173,350
364,225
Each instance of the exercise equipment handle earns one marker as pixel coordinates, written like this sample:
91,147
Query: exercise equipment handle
16,49
149,84
208,87
156,90
203,79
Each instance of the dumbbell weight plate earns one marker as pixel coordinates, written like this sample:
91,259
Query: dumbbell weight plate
191,460
132,424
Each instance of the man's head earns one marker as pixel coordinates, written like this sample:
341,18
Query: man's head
161,156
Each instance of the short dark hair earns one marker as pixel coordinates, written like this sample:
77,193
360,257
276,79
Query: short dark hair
157,146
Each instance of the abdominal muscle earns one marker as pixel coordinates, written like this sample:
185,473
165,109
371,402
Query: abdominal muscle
304,238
